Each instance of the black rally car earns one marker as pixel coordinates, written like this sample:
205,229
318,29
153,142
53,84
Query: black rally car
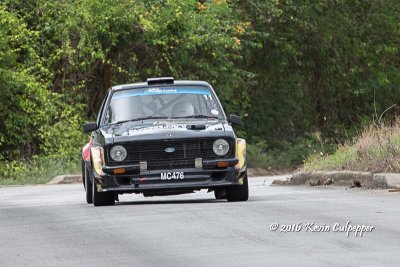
163,137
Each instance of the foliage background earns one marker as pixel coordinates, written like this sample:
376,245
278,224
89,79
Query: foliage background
306,75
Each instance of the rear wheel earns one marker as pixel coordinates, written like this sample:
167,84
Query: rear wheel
88,185
101,198
83,173
238,192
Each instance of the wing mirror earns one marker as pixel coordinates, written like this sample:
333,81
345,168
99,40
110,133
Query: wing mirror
89,127
235,119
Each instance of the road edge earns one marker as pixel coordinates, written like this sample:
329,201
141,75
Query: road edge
66,179
348,178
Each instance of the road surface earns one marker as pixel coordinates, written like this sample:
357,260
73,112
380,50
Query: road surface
51,225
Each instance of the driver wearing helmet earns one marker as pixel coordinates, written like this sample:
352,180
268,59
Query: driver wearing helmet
183,109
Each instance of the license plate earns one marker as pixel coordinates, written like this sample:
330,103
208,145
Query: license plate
172,176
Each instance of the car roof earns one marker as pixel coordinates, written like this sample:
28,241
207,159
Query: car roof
145,84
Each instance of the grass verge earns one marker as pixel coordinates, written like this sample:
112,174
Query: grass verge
377,149
39,170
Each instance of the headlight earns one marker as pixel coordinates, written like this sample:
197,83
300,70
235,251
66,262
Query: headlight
220,147
118,153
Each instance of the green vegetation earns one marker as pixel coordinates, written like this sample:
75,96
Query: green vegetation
38,170
304,74
376,150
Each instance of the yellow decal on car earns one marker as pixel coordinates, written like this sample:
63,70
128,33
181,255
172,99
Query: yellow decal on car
97,154
241,154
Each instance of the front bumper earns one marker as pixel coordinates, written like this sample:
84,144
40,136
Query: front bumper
208,177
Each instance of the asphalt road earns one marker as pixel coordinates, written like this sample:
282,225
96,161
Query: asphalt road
53,226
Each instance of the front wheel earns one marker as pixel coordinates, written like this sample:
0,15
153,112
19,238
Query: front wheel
220,193
238,192
101,198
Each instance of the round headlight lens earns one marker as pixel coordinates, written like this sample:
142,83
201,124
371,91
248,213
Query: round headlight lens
118,153
220,147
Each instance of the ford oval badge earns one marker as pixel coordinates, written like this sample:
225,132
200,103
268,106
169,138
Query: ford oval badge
170,149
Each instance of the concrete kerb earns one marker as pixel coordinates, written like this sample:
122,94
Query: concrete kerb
387,180
66,179
348,178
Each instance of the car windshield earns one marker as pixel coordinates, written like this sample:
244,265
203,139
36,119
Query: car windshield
171,102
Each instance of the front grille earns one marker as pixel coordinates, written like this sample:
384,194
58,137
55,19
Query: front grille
186,150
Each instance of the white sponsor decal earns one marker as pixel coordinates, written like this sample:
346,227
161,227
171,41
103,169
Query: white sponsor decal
214,112
159,90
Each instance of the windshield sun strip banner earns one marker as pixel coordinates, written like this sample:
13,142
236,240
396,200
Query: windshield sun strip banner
161,91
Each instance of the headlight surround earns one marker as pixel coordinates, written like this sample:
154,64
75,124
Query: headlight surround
220,147
118,153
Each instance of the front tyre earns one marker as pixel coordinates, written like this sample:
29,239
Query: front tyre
220,193
101,198
238,192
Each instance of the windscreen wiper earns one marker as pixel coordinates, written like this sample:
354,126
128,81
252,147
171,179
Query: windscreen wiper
196,116
141,119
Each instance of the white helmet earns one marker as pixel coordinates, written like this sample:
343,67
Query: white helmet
182,109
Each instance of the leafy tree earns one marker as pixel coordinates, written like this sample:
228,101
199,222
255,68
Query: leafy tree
305,74
323,68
